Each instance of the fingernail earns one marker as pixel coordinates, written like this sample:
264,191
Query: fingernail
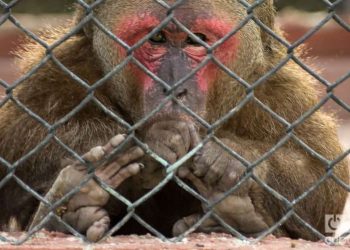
97,153
116,140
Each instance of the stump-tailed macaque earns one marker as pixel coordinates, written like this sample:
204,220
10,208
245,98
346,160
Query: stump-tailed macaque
170,54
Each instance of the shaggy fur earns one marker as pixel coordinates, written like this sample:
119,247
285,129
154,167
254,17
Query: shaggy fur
51,94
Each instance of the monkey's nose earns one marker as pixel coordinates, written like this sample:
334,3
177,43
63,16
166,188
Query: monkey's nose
181,94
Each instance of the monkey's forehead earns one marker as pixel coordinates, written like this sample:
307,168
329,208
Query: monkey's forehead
114,10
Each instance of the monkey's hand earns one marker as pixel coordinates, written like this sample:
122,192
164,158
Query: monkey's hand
214,172
171,140
84,210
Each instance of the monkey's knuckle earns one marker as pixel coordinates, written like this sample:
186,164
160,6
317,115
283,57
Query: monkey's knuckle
182,125
232,177
116,140
210,160
179,227
235,166
98,212
96,153
133,169
171,158
99,195
215,171
199,169
67,171
70,176
96,232
123,175
139,152
176,140
206,157
197,159
199,172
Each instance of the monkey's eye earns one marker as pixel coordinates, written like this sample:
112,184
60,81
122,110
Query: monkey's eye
158,38
192,42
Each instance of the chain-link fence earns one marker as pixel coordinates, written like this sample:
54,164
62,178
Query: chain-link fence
11,169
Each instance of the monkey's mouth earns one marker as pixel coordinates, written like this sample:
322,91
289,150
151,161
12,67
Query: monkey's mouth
179,116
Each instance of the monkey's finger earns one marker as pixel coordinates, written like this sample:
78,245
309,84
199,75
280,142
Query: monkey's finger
188,132
216,170
240,211
68,178
91,194
210,226
113,143
228,180
84,217
202,162
207,226
95,154
124,174
98,229
182,128
195,139
179,128
126,158
163,150
131,155
174,142
183,172
184,224
202,189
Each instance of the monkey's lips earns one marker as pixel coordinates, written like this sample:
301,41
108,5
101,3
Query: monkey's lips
165,116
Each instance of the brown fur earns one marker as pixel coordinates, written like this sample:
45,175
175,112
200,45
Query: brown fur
51,94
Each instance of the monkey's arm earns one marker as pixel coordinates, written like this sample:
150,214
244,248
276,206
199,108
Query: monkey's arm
84,211
248,209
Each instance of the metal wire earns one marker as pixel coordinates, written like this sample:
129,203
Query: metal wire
131,128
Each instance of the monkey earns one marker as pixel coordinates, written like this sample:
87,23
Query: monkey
62,112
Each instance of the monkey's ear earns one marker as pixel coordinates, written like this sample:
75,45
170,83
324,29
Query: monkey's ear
79,15
266,14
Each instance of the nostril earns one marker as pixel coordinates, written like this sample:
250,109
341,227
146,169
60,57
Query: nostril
181,94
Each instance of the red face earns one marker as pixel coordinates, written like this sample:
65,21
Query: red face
172,54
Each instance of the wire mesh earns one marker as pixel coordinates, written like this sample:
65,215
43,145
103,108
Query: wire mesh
171,169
